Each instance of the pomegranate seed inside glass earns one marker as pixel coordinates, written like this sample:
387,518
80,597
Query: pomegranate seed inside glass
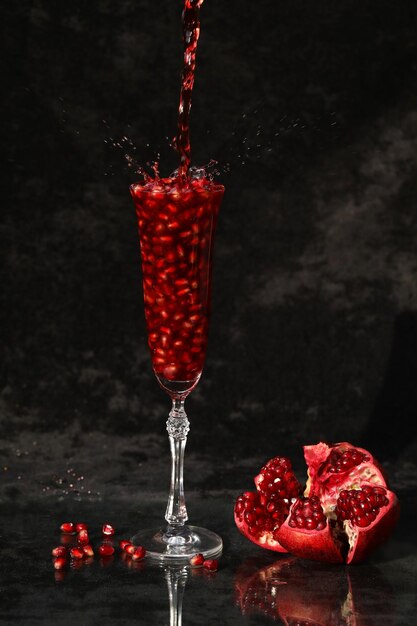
176,225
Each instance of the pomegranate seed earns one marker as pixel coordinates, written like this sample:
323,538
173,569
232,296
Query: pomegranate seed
59,551
139,553
211,564
68,528
124,543
276,480
77,553
345,460
178,249
83,537
88,550
107,530
361,506
259,514
60,563
81,526
105,550
307,513
130,548
197,560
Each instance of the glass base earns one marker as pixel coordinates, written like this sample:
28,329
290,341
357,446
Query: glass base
166,545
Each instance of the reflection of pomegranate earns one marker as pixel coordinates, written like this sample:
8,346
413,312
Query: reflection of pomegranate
290,591
298,593
346,512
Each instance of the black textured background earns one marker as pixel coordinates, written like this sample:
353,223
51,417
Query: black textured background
314,326
311,111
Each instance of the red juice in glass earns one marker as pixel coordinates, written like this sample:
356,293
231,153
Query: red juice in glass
176,223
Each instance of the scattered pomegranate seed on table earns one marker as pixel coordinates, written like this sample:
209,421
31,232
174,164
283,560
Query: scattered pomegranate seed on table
124,543
197,560
80,527
88,550
105,550
139,553
77,553
108,530
60,563
68,528
130,548
83,537
211,564
59,551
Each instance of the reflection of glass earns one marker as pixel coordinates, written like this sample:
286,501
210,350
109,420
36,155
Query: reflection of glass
313,594
176,228
176,578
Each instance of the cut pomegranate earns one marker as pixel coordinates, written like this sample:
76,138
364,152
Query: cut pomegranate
211,564
59,551
105,550
197,560
60,563
107,530
347,510
68,528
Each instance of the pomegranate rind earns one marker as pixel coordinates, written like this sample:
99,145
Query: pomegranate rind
327,485
316,545
364,541
264,540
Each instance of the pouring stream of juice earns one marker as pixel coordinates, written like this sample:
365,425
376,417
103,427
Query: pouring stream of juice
191,33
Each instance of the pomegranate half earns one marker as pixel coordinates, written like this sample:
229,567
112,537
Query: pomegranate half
347,510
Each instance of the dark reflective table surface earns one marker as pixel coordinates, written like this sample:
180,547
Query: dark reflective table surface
252,586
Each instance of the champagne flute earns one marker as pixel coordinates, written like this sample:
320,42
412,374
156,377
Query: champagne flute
177,223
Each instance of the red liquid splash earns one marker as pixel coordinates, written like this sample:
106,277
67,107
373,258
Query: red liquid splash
176,226
191,33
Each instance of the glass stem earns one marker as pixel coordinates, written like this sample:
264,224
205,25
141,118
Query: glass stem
177,427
